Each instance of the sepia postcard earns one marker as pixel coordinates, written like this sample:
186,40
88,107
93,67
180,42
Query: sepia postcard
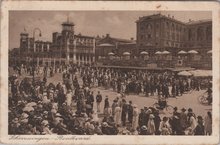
110,72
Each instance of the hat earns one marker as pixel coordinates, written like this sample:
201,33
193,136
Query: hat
15,120
175,108
51,91
124,132
190,110
45,122
176,117
24,115
145,107
105,124
149,111
151,116
143,127
165,118
199,117
58,115
24,120
183,109
45,112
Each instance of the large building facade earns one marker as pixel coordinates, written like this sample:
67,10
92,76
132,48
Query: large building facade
165,33
66,47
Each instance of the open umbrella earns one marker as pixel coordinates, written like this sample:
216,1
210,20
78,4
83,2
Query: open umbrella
110,53
182,52
165,52
126,53
158,52
209,52
144,52
192,52
184,73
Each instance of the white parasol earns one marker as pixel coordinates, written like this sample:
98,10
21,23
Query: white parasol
182,52
158,52
126,53
144,52
209,52
111,53
165,52
192,52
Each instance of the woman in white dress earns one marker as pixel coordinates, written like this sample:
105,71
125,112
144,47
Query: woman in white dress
117,116
135,117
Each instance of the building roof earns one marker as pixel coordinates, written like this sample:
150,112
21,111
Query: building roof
199,21
83,36
109,39
156,16
123,40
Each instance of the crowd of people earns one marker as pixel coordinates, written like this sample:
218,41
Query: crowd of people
71,107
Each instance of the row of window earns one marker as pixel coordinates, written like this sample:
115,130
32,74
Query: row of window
168,25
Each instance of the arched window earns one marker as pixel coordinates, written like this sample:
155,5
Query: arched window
149,27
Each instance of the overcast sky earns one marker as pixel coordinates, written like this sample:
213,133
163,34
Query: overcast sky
120,24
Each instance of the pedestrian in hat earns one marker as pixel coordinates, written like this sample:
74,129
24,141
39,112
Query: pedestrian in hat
150,125
143,130
130,112
135,117
117,116
192,121
200,129
98,101
183,119
165,128
208,123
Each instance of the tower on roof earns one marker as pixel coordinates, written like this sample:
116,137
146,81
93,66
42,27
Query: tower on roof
68,26
24,33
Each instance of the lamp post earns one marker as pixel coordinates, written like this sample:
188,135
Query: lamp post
33,66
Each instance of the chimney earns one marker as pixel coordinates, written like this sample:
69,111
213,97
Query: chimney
190,20
172,17
168,15
107,35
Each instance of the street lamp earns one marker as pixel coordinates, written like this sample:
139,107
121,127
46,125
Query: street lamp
33,66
